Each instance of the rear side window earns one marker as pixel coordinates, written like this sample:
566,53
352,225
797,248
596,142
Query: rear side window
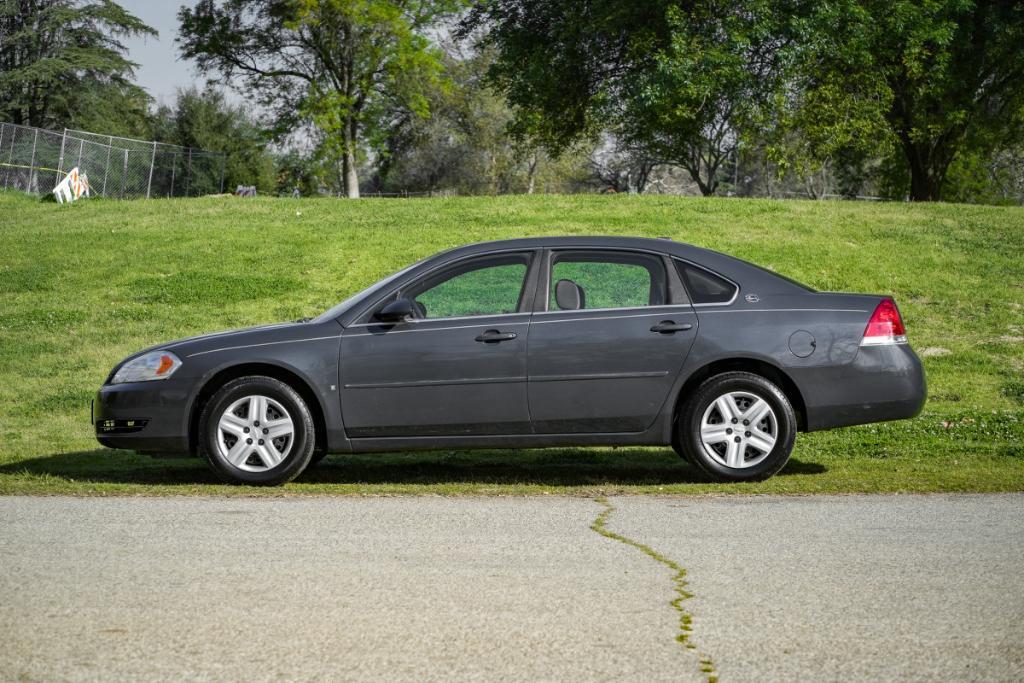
606,280
704,286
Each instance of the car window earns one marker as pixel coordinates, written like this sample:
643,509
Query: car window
704,286
340,308
485,287
606,280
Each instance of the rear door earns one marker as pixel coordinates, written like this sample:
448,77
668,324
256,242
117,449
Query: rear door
457,368
608,341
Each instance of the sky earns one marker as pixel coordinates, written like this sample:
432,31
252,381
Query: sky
160,71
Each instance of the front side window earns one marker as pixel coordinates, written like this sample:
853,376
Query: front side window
490,286
606,280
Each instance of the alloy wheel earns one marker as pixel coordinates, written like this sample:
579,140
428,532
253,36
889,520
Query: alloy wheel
739,429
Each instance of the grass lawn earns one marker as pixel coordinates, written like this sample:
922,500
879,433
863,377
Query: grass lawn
82,286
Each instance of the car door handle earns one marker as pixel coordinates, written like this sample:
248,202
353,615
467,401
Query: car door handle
491,336
670,326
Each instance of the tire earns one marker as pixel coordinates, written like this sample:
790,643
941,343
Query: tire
707,438
229,433
677,445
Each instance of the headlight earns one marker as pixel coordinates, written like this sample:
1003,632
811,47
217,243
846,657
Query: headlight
148,366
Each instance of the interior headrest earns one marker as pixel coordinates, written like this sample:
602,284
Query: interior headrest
569,296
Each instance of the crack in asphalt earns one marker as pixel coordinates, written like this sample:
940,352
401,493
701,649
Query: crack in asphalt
679,585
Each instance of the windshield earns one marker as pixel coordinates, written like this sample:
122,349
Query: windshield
340,308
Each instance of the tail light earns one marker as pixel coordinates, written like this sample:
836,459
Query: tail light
885,326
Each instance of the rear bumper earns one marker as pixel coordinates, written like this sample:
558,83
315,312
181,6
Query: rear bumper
151,417
882,383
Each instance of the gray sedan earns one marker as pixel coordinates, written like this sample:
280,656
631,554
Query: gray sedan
582,341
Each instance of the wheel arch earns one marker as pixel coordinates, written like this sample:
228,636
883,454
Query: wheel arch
280,373
754,365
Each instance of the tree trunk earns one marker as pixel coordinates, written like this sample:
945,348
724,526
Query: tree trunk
694,168
532,173
925,185
492,176
928,164
644,170
708,188
350,177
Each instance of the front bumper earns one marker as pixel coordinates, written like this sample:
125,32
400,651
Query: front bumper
150,417
882,383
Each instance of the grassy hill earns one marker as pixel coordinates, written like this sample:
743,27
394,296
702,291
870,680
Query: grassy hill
82,286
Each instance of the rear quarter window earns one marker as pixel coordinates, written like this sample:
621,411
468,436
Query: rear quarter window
704,286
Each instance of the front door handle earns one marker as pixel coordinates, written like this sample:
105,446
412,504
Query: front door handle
491,336
670,326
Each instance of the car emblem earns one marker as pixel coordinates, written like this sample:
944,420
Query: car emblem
752,298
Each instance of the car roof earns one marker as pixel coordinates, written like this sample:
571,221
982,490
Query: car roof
662,244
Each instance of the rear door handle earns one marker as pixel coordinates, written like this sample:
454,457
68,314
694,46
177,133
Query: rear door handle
491,336
670,326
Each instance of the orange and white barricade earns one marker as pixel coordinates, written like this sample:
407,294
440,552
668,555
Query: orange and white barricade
74,186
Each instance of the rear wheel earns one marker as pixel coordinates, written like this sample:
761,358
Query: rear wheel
257,430
737,426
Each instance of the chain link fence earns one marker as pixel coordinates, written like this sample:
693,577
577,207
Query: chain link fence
34,160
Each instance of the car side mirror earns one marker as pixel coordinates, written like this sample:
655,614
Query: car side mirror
397,311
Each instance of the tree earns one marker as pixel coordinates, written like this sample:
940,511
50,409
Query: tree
712,81
62,63
675,79
206,120
344,66
297,170
934,77
464,145
617,167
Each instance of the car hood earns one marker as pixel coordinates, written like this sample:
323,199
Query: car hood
226,335
236,337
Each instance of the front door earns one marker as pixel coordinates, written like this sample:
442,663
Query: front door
458,367
606,352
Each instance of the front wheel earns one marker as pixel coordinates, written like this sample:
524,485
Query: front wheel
258,431
737,426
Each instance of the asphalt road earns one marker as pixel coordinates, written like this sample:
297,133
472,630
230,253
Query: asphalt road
820,588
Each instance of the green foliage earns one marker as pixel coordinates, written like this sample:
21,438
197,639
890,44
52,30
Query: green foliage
62,64
929,77
679,80
464,145
297,171
206,120
817,87
342,67
141,273
972,179
710,83
565,66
